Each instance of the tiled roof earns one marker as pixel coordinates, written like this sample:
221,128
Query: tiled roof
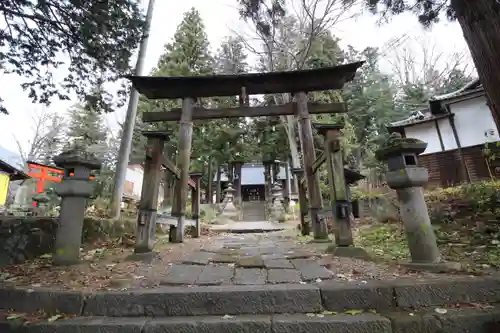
415,117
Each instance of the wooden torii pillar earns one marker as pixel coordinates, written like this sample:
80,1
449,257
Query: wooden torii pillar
340,205
183,161
320,230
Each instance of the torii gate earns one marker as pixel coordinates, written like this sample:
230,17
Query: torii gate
298,83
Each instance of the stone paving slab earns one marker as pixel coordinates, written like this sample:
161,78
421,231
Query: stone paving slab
454,321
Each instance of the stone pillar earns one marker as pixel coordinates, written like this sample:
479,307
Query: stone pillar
74,191
195,202
309,156
237,181
407,178
339,197
305,227
277,207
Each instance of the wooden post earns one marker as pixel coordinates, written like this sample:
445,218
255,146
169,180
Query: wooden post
305,227
339,197
146,220
183,159
195,202
309,156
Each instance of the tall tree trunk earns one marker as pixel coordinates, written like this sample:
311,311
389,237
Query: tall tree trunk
217,188
480,22
210,181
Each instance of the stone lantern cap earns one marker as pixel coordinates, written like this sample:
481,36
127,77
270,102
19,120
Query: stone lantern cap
195,175
77,156
323,128
229,188
397,145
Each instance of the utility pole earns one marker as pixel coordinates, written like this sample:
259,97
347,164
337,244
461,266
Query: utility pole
128,126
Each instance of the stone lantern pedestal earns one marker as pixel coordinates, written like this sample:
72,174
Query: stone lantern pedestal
74,190
407,178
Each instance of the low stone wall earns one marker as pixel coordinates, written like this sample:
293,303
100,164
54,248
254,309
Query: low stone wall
24,238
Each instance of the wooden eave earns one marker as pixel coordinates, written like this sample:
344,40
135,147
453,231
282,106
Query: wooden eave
160,87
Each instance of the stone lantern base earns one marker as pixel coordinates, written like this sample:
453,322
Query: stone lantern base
349,252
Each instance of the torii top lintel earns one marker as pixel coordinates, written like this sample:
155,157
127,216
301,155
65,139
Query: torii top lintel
329,78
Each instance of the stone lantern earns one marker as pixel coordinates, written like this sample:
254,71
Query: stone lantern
229,210
74,191
41,199
407,178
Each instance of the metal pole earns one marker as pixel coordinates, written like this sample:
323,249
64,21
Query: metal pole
128,126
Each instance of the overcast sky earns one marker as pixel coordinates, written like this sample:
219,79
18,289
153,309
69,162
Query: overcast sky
220,16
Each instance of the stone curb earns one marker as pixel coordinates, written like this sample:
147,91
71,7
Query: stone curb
256,299
454,321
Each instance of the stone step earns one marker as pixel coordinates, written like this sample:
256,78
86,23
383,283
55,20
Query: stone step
220,300
426,320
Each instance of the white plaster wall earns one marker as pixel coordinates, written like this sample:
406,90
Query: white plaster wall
426,132
134,175
474,122
449,141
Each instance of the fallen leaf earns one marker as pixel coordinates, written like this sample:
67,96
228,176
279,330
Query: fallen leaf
15,316
329,313
353,312
54,318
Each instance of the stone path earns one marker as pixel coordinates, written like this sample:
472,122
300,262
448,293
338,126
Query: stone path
250,227
249,259
254,211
